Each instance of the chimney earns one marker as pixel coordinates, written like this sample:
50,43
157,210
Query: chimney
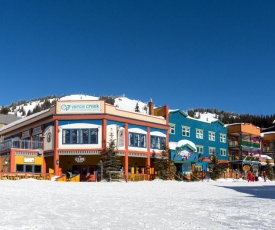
151,107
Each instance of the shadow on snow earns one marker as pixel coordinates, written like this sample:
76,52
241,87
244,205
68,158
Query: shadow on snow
266,191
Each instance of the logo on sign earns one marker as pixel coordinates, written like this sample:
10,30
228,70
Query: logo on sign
80,159
65,107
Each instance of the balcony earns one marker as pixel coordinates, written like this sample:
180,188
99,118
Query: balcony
251,144
20,144
233,143
268,149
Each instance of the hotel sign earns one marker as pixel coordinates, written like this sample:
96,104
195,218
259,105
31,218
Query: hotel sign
25,134
79,159
28,160
69,107
37,130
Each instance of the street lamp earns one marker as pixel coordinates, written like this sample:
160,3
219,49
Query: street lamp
117,131
101,169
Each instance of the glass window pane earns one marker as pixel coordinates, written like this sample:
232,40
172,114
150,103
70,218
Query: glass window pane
131,139
66,136
85,136
28,168
93,136
37,168
19,168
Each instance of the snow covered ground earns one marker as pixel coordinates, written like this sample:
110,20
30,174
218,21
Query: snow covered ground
223,204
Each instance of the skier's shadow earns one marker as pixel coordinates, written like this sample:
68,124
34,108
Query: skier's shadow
266,191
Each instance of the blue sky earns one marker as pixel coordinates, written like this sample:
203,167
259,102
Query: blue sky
186,54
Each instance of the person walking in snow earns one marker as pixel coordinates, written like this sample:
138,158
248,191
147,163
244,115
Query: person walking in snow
264,176
250,176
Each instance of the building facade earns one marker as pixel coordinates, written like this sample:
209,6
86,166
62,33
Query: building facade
268,143
193,142
244,147
71,136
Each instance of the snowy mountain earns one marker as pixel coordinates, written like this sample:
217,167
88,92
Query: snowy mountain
24,108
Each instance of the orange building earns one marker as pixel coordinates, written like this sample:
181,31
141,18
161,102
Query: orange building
71,136
244,146
268,143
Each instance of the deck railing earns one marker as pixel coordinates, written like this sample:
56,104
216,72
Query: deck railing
20,144
24,175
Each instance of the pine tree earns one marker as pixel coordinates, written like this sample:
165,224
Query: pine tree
145,108
164,167
4,110
110,160
216,169
269,171
108,99
137,108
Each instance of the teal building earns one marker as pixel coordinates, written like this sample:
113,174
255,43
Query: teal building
193,141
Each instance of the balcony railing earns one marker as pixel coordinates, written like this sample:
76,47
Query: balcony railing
268,149
20,144
251,144
233,143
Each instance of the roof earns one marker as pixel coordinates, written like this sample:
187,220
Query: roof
20,120
206,118
8,118
181,144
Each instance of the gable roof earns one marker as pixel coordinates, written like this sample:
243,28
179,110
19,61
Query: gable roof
196,119
179,111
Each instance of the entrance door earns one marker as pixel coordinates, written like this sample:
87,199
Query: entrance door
87,173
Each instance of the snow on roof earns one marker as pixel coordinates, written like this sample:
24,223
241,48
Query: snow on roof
181,143
208,117
204,117
125,103
239,123
78,97
122,103
265,133
263,156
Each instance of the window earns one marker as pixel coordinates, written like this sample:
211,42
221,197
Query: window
28,168
93,136
199,149
66,136
131,139
157,142
25,143
137,140
211,136
172,129
74,135
84,136
223,152
37,141
19,168
222,138
198,167
199,133
186,131
212,150
37,168
80,136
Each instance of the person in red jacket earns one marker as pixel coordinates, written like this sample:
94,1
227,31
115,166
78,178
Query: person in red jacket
250,176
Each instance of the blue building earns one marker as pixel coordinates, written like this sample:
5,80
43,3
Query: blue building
192,142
